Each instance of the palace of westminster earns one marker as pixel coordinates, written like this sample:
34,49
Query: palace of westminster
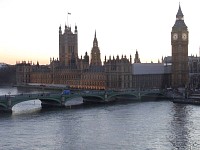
120,72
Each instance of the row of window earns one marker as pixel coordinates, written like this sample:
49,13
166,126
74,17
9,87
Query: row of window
93,76
118,68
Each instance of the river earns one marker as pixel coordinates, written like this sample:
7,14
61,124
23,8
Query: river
132,126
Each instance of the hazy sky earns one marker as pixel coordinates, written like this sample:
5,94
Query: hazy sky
29,28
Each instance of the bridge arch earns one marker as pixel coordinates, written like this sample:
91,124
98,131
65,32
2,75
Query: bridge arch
93,98
3,106
46,102
43,101
122,96
152,95
53,99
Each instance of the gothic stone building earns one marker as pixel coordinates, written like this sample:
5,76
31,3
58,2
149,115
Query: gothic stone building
116,73
68,69
23,72
179,42
151,76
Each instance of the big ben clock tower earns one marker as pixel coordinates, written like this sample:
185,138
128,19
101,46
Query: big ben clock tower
179,42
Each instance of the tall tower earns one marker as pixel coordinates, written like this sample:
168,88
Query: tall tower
179,42
68,47
95,53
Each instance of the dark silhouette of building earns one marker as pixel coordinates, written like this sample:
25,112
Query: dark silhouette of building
7,74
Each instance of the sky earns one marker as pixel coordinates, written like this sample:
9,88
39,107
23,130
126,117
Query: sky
29,28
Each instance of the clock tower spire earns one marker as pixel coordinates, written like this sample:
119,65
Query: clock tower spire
179,42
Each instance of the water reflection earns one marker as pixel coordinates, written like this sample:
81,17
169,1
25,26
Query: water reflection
141,126
180,127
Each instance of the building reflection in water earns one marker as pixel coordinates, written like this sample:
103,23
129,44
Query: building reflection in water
181,128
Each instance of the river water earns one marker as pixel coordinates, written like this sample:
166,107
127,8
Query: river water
131,126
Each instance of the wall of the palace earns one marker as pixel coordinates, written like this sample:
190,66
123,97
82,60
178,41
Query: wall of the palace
68,47
23,71
118,73
149,81
67,77
41,77
115,75
72,78
93,80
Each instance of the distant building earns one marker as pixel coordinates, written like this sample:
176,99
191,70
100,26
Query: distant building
137,59
118,73
151,75
40,74
95,54
69,69
93,79
94,76
7,74
194,69
23,72
115,73
68,47
179,42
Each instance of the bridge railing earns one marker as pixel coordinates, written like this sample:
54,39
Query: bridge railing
28,96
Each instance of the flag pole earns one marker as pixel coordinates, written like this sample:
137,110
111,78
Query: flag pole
67,18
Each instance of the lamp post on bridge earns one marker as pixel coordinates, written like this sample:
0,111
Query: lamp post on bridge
9,101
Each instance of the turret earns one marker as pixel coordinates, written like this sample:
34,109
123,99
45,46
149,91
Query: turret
95,53
65,28
75,31
60,31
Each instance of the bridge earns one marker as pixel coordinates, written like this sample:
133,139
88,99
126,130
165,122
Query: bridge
59,100
112,96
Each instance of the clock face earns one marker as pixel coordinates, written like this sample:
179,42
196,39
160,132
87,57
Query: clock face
175,36
184,36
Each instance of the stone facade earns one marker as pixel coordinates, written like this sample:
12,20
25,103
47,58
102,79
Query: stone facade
93,77
68,47
95,54
23,72
194,72
179,42
69,70
137,58
151,75
67,77
93,80
118,73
